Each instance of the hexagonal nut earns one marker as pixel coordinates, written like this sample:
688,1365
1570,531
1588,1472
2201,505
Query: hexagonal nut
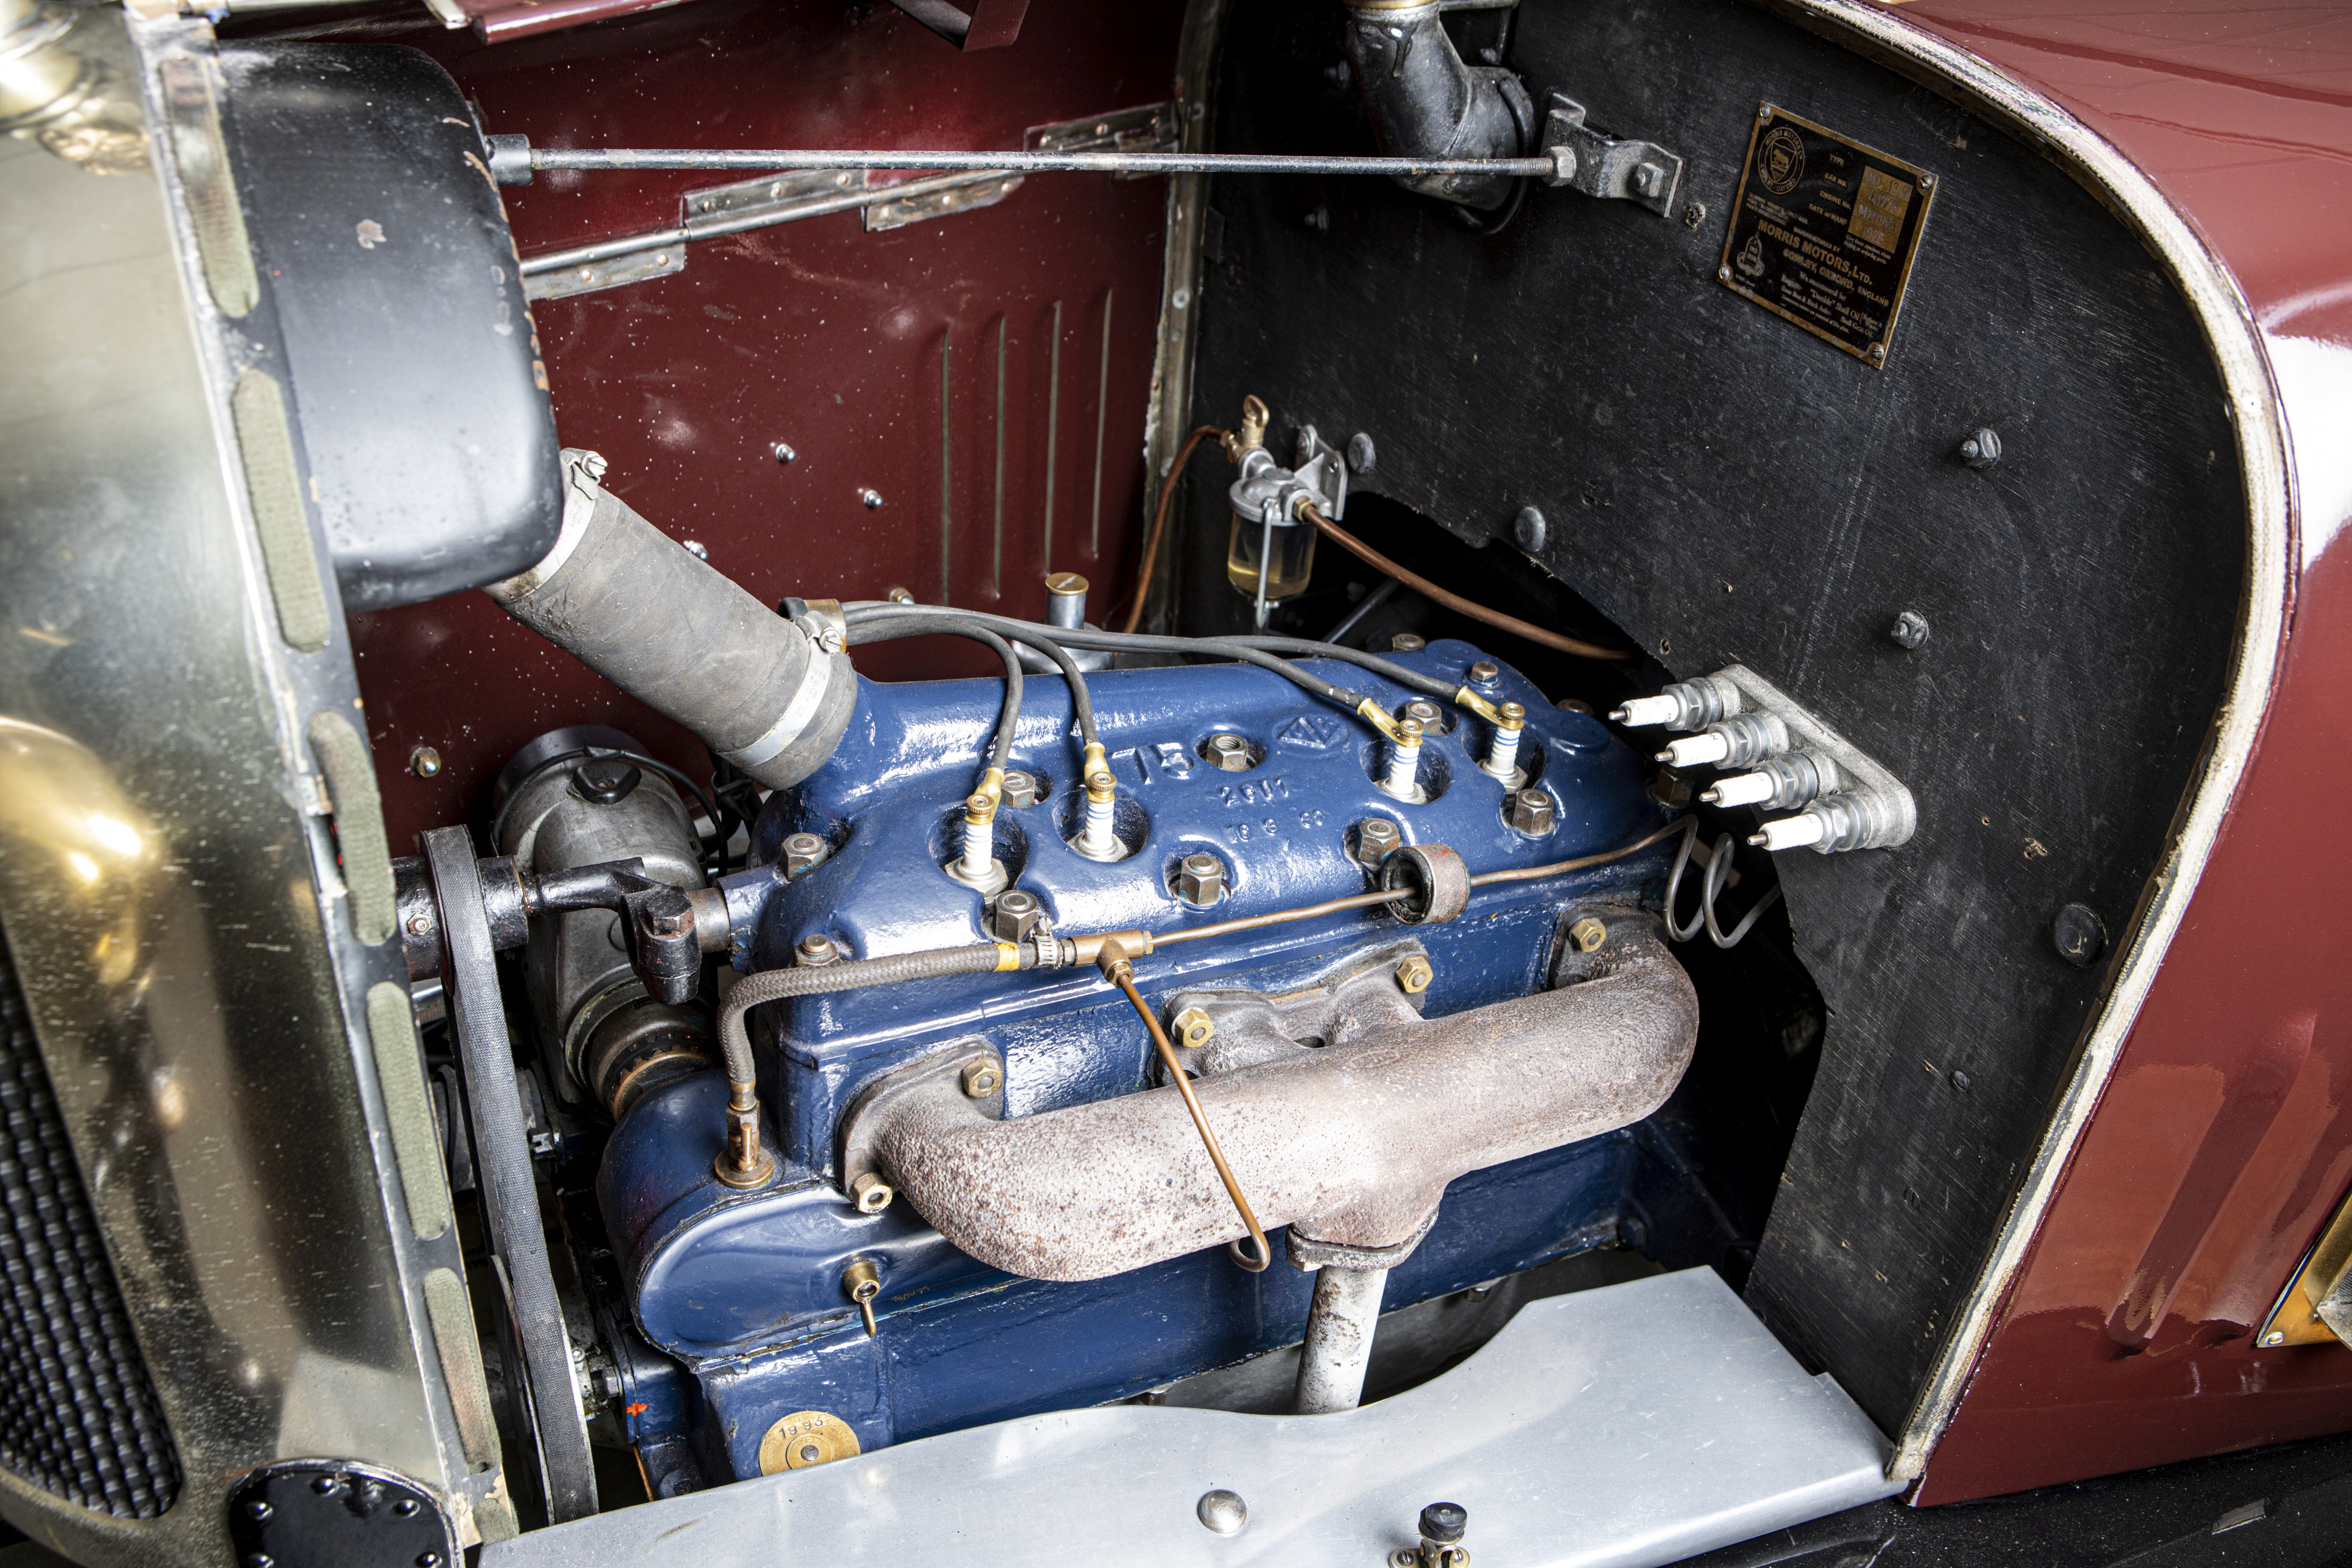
1201,878
1427,714
1016,916
1193,1027
1228,753
803,852
1375,836
1533,813
871,1193
1020,790
982,1078
1588,933
1415,974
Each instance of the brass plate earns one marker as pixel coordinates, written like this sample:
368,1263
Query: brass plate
803,1438
2321,1281
1823,232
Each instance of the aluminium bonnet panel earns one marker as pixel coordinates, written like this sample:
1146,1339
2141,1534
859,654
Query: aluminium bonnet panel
1628,1425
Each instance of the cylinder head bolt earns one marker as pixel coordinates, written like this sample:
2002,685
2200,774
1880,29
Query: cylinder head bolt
1229,754
1503,753
1375,836
1403,778
1740,740
1685,705
1531,812
1201,878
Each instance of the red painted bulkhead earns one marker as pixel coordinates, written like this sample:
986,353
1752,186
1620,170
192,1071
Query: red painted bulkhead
817,334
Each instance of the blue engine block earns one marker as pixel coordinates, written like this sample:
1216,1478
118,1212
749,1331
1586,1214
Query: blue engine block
744,1289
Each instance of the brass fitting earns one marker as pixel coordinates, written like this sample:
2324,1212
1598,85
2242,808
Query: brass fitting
1377,717
862,1283
1193,1027
1255,416
1586,933
982,1078
744,1163
1104,949
992,784
1512,717
871,1193
1465,698
1415,974
1101,785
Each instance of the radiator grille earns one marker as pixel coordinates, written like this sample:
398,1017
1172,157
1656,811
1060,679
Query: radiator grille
77,1414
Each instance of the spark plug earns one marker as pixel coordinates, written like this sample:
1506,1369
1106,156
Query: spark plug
1096,839
1778,782
1851,820
1404,763
1503,755
1739,741
1685,705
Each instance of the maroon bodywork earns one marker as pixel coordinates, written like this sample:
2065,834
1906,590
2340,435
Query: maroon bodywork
2224,1138
815,334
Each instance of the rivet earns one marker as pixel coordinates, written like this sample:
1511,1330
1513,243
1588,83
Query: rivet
696,548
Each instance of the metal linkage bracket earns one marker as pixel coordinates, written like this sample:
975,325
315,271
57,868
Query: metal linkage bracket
1583,159
789,195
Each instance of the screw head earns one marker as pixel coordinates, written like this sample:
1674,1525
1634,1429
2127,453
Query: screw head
1909,630
1223,1511
873,498
1764,113
1981,449
818,947
1588,933
1375,836
1425,713
1486,671
1415,974
871,1193
1362,456
2273,1339
1020,789
1530,529
425,762
981,1079
784,453
1193,1027
593,463
1444,1522
1646,179
1406,642
1694,214
420,925
1723,274
899,595
1878,350
1927,182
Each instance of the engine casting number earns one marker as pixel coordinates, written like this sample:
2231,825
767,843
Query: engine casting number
1256,792
1823,232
